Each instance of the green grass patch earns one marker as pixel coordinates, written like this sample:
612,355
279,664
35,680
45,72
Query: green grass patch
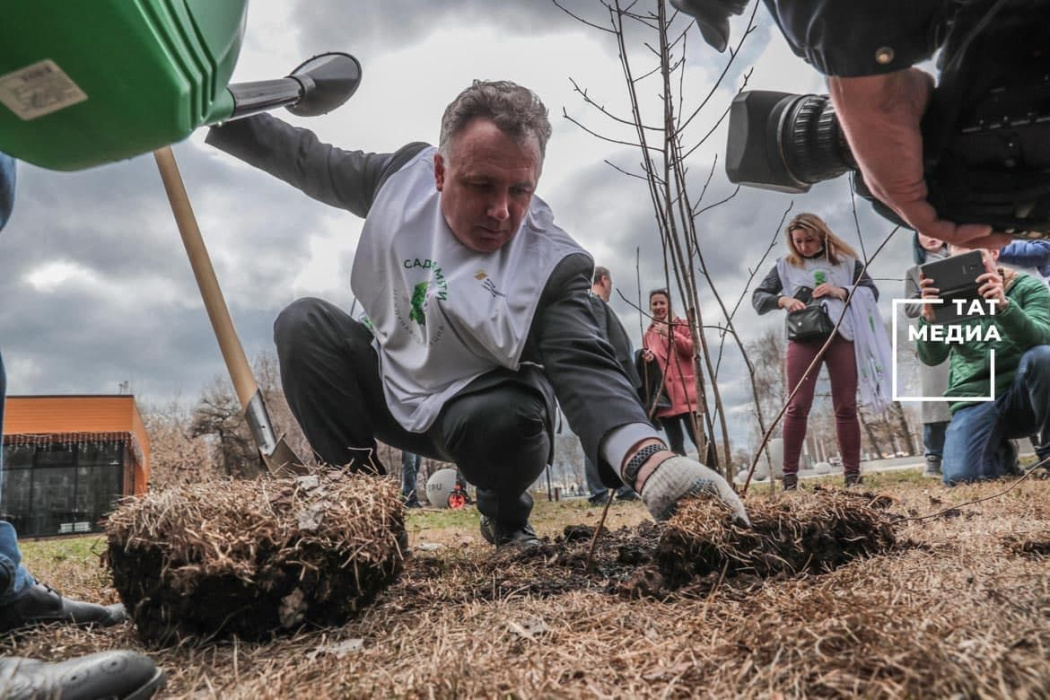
84,548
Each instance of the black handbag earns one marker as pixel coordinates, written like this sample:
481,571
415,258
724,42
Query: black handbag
652,378
809,324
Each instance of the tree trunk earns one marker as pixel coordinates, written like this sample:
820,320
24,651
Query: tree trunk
871,434
905,429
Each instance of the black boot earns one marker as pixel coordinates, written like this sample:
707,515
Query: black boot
125,675
40,604
853,479
790,482
499,536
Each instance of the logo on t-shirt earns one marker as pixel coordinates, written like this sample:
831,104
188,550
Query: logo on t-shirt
488,284
425,281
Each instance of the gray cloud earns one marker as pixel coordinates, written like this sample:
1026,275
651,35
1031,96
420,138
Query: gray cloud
374,27
134,311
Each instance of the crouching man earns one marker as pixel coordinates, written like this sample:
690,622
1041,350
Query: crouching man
478,315
1014,323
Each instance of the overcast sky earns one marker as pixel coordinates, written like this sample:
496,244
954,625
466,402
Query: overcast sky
97,289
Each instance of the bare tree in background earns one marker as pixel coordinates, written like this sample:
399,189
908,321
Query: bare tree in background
664,143
218,416
176,457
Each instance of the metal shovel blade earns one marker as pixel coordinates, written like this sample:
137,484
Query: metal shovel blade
279,458
283,461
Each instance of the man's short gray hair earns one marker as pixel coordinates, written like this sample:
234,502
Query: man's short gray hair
516,110
599,272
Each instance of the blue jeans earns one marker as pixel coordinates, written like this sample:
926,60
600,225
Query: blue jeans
13,576
976,447
933,438
409,472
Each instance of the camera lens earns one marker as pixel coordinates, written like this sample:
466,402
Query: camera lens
784,142
811,142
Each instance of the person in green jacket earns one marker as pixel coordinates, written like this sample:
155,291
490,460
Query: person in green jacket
1015,326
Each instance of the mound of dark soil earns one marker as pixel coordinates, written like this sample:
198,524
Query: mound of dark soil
797,533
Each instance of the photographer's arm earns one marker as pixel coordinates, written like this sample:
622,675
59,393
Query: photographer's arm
1026,254
345,179
1027,316
930,352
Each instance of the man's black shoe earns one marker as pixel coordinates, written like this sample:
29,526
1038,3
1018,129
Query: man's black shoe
627,496
40,605
125,675
498,536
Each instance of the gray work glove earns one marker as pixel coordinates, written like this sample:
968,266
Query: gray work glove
677,477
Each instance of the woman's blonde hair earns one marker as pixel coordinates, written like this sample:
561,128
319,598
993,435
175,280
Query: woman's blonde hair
834,247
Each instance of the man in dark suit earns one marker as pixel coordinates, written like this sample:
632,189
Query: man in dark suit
478,315
613,330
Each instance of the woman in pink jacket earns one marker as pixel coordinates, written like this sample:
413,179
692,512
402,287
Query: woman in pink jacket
669,343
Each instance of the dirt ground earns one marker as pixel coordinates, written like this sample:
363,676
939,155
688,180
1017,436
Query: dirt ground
959,606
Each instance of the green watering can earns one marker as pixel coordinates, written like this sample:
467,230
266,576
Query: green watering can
86,82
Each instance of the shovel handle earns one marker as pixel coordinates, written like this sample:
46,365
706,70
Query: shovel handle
230,344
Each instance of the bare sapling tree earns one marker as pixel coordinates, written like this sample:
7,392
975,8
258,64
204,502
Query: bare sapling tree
665,142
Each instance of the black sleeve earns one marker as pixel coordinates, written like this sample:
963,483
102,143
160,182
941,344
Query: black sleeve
864,280
847,38
345,179
592,388
766,294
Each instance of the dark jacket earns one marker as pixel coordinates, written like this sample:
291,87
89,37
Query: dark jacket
845,37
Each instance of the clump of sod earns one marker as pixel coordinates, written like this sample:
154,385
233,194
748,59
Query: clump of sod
254,558
813,532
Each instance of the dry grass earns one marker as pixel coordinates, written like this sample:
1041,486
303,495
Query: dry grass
958,607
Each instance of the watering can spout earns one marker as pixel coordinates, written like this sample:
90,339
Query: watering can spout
314,88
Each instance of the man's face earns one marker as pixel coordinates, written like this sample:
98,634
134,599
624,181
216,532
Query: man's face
603,288
486,185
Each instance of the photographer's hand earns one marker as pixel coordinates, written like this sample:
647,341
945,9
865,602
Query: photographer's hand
991,288
881,115
928,292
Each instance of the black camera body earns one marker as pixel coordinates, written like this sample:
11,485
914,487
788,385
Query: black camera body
986,134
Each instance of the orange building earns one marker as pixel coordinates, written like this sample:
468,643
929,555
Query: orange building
68,459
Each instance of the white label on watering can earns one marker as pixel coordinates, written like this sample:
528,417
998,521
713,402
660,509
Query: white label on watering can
39,89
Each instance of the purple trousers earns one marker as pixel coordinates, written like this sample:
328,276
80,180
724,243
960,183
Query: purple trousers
842,368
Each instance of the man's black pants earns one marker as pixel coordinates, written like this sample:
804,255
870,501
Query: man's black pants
497,435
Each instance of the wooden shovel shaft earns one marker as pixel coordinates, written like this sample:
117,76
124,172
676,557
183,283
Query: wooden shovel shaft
229,342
